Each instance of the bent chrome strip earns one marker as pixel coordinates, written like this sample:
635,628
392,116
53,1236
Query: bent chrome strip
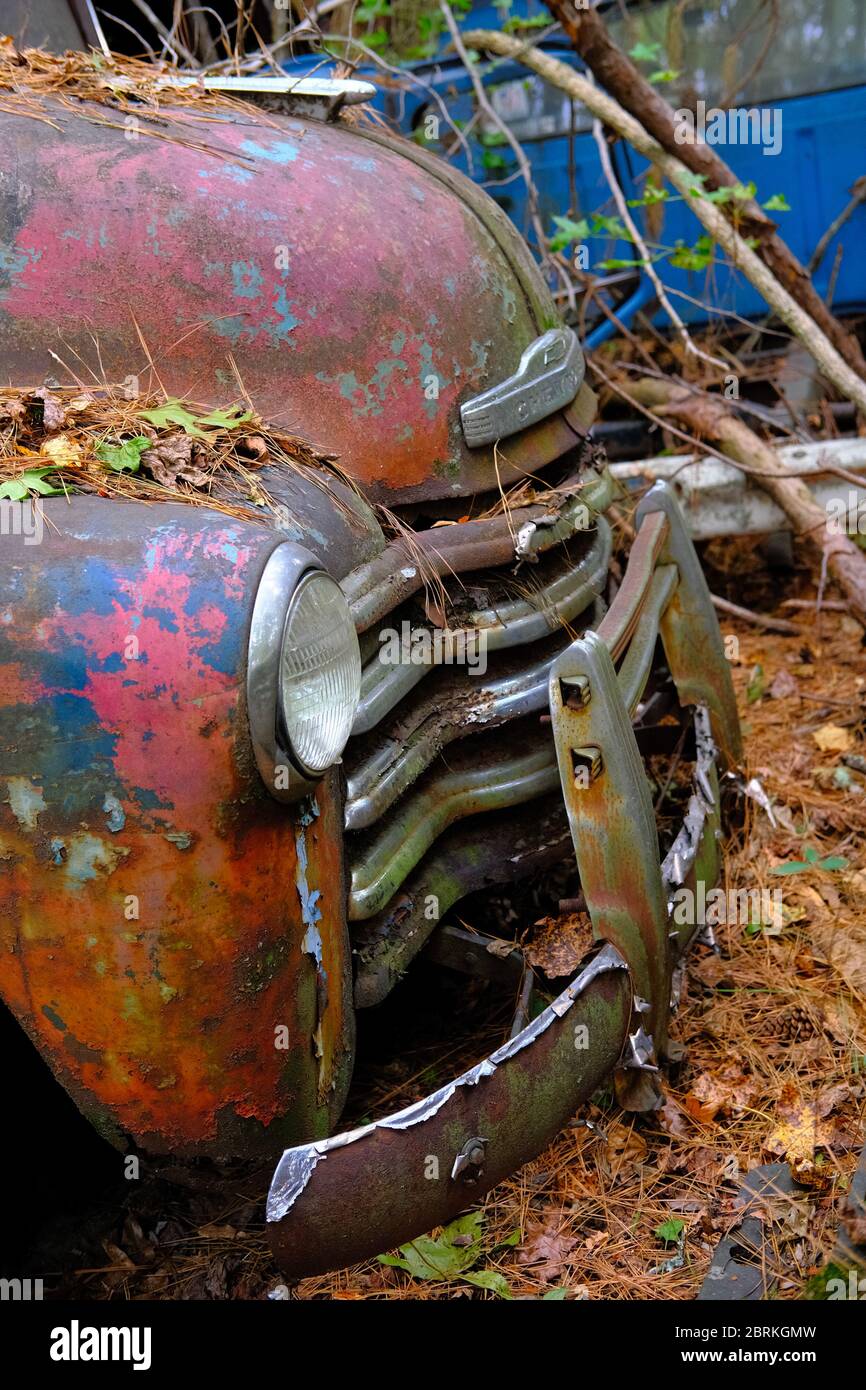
406,1165
515,623
547,380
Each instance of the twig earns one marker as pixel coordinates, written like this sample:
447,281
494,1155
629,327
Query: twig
829,359
759,619
174,44
859,196
631,225
508,135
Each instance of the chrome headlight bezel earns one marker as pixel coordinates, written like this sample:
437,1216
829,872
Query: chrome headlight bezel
284,775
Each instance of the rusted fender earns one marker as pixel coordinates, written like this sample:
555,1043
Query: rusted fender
172,939
364,1191
362,290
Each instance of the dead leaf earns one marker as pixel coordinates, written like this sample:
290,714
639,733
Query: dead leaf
172,458
557,945
729,1092
214,1232
799,1137
53,410
547,1250
783,685
844,948
254,446
832,738
61,449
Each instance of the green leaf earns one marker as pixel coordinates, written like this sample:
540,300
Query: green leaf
536,21
651,196
610,226
794,866
778,203
645,52
124,456
833,861
513,1239
491,160
174,412
426,1258
32,480
620,263
696,257
489,1279
554,1295
568,232
664,75
671,1229
757,684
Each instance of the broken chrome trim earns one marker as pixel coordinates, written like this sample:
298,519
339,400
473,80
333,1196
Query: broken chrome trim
518,1098
376,588
514,623
547,379
376,783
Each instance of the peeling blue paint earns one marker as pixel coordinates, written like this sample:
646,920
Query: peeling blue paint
247,279
281,152
116,816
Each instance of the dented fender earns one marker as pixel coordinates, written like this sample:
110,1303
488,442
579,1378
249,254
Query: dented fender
172,939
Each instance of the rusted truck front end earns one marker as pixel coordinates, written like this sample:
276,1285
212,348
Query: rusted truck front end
247,769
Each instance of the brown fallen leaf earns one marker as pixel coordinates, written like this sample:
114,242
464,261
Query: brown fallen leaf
547,1251
557,945
728,1091
800,1137
783,685
832,738
53,410
844,948
172,458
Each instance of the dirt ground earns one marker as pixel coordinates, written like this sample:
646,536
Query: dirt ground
773,1024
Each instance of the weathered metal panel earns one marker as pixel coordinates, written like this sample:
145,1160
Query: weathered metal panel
161,916
361,295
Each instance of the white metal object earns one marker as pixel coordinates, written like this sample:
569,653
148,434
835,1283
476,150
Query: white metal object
718,499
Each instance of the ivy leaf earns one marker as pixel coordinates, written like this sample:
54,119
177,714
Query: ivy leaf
645,52
778,203
125,456
33,480
671,1229
568,232
651,196
174,412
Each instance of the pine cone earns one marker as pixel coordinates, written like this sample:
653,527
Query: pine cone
797,1026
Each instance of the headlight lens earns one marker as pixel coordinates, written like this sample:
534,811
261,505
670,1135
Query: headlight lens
320,673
